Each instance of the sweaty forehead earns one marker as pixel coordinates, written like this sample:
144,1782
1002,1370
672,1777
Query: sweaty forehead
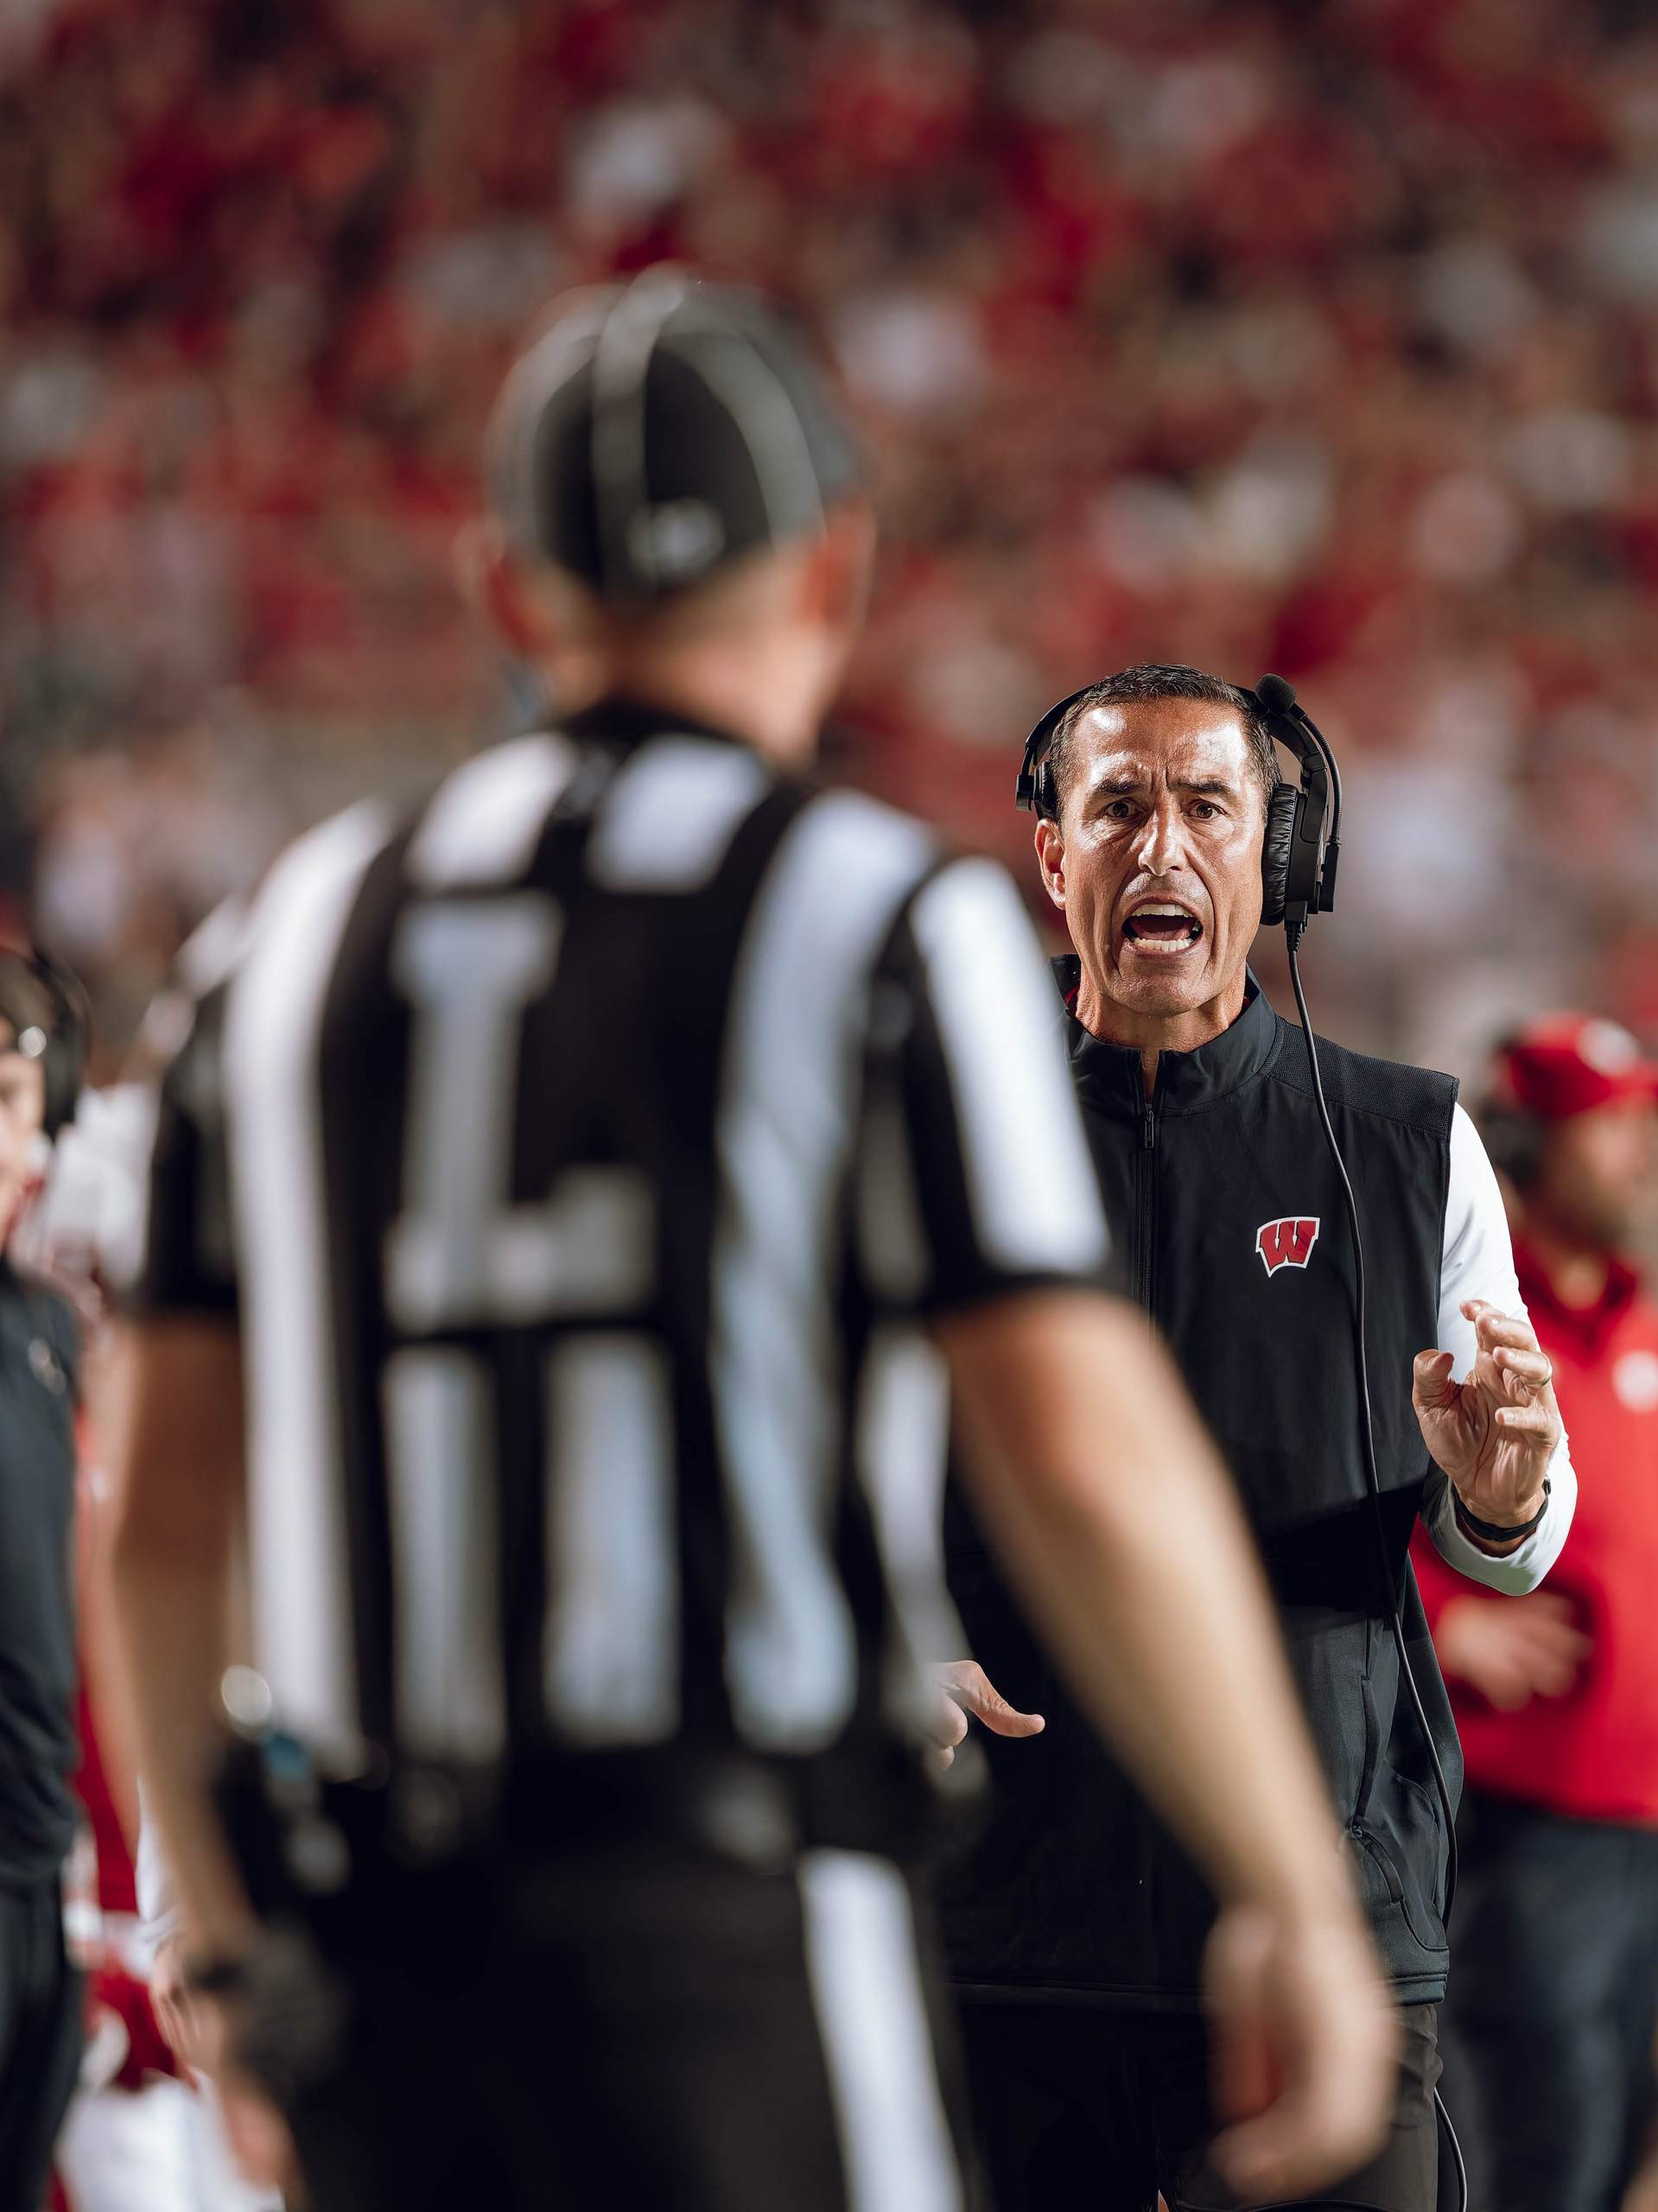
1159,742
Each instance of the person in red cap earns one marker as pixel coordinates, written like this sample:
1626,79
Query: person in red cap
1555,1990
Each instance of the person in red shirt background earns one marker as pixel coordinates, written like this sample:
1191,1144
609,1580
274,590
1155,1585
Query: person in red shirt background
1554,1988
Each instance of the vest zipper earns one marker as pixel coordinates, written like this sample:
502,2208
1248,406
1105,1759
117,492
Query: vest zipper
1145,1196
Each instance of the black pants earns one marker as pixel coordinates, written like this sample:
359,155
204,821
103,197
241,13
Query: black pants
1552,2002
1080,2110
672,2032
40,2038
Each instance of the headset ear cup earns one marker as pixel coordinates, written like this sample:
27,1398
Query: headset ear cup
1047,793
61,1069
64,1063
1283,809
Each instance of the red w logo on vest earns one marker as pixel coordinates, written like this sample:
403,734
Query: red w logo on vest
1286,1243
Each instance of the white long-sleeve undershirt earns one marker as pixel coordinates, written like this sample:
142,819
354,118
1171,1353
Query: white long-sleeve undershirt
1477,1261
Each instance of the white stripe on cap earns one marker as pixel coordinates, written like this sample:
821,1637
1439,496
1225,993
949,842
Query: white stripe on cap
621,371
561,352
617,332
1036,1200
878,2043
788,1091
298,1552
735,371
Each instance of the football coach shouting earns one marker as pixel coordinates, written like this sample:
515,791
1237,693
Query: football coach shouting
1163,836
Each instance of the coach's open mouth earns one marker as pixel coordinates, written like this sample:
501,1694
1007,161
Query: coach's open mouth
1162,927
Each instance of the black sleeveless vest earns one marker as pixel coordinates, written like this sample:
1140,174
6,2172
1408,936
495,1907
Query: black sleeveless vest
1231,1232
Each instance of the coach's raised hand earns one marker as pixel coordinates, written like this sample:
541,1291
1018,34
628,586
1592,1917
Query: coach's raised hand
1494,1435
963,1689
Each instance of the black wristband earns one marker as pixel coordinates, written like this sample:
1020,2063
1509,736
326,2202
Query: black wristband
1493,1532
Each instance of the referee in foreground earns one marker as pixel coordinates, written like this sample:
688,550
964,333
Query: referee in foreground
577,1174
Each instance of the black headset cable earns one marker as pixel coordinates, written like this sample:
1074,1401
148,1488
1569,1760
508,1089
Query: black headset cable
1367,1433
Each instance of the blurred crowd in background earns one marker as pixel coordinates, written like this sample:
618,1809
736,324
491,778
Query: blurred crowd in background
1314,337
1311,335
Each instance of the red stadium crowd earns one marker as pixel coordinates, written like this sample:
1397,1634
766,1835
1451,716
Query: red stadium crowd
1174,332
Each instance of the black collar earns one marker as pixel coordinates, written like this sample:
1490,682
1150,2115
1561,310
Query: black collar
620,719
1108,1078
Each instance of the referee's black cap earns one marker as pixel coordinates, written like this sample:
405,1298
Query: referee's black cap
659,429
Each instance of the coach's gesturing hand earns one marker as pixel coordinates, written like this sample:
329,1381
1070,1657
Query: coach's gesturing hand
1494,1433
962,1689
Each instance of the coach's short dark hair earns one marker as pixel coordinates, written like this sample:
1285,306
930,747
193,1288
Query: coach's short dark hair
1134,687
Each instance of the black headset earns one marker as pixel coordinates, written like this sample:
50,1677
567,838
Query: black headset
62,1048
1304,821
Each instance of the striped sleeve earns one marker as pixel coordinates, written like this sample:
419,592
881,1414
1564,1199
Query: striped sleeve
975,1179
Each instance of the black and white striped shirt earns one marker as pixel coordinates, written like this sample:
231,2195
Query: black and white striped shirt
581,1160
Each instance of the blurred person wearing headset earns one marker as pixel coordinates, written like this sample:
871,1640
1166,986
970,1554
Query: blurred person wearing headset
1228,1154
144,2131
1554,1999
42,1050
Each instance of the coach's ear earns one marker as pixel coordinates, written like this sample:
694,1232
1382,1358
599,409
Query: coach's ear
1051,860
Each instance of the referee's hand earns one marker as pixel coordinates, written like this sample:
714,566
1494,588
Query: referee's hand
173,2006
961,1687
1305,2074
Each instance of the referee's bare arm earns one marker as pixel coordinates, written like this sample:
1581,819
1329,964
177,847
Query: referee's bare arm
1112,1514
176,1470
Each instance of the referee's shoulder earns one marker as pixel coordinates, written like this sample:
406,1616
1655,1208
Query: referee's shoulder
880,818
374,825
872,833
1388,1090
463,823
